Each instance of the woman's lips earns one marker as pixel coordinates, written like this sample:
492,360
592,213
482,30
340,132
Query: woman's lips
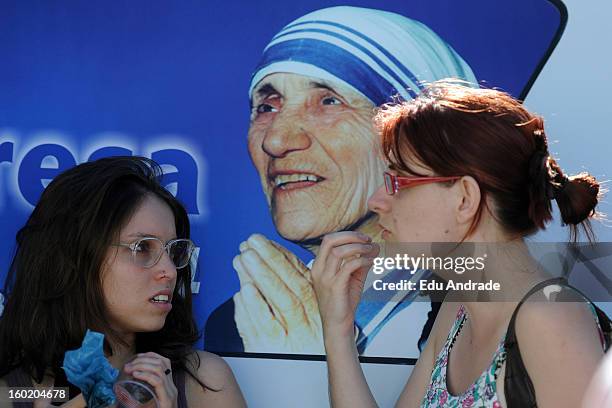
386,234
162,305
162,300
296,185
289,181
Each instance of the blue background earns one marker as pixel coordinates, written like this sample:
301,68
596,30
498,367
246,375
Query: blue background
141,74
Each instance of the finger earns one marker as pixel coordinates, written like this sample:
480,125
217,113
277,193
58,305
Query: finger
339,238
243,275
166,361
164,390
294,274
268,282
356,269
375,251
294,260
348,251
285,305
279,263
244,324
151,358
243,246
307,293
151,365
342,254
260,312
151,368
148,364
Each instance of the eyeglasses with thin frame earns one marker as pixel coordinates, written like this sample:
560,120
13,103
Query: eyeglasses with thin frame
147,251
394,183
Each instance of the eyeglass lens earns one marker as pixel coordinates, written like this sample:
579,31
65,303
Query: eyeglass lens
389,183
147,252
180,252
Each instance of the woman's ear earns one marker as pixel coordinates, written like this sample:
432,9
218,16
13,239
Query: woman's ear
469,199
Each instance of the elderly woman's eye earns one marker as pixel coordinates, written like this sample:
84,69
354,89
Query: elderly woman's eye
265,107
331,100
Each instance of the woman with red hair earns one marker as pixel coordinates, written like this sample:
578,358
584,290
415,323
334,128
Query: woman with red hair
471,167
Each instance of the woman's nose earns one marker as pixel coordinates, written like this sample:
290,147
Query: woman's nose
165,267
380,201
285,135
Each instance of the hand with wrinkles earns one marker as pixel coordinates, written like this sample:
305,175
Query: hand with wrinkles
276,308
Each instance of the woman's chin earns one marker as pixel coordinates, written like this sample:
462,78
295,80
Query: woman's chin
150,326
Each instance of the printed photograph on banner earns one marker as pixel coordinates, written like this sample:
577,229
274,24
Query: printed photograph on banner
312,140
263,123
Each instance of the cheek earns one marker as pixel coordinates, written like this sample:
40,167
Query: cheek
113,290
426,218
258,156
121,286
414,218
351,143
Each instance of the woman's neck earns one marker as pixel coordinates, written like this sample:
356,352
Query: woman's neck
511,265
123,351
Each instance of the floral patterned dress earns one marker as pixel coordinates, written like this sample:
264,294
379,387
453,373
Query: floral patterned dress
483,393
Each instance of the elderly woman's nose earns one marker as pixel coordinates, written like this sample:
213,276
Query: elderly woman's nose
287,134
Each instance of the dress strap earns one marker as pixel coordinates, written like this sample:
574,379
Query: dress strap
457,325
518,387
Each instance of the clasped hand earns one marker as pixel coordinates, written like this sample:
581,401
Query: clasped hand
277,308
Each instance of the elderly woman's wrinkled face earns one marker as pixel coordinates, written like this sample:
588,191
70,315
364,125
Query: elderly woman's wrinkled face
316,151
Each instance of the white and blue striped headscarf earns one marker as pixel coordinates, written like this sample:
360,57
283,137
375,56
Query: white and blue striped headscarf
377,53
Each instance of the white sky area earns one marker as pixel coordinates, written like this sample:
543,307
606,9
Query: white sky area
573,94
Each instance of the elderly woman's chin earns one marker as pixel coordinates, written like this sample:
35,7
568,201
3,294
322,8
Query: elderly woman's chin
302,226
295,229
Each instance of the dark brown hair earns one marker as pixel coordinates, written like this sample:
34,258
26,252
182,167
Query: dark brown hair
458,130
54,284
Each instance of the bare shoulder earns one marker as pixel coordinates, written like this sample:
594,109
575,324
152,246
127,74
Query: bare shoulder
560,347
220,386
541,320
212,369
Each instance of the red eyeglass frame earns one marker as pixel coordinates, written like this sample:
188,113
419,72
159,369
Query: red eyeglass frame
394,183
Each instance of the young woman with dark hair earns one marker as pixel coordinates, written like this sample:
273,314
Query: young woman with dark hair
107,248
471,166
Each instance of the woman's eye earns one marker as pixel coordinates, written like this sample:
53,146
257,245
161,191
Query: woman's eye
331,100
265,107
142,247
